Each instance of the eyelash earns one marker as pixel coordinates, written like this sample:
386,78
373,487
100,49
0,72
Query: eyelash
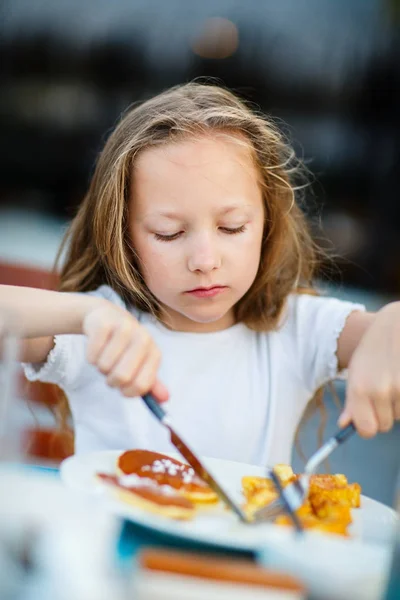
174,236
233,230
167,238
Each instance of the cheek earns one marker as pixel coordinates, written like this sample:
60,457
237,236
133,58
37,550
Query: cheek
248,251
248,263
157,261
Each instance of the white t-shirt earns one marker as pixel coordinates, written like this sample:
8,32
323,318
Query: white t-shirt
235,394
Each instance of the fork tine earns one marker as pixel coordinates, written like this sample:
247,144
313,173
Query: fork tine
268,512
290,504
291,498
295,493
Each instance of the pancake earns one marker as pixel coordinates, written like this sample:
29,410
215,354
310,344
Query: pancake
165,470
148,495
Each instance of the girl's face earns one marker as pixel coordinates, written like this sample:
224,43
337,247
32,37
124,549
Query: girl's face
196,223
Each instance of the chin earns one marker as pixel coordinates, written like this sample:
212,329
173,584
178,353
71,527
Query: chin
205,320
206,316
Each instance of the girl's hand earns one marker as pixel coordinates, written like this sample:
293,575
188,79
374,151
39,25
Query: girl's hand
123,350
373,387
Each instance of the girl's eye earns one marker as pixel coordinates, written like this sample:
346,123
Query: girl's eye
174,236
231,231
167,238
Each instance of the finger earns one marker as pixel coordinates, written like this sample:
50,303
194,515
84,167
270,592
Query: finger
125,370
344,418
146,375
159,391
396,409
112,351
96,344
363,414
384,412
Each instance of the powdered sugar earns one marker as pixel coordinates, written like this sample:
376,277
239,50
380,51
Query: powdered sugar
134,481
187,476
167,466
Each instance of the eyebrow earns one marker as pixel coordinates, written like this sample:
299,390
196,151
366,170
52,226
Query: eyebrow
223,211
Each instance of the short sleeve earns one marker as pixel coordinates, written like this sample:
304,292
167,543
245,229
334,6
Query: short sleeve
66,363
311,329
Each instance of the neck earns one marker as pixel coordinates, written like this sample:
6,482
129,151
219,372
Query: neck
178,322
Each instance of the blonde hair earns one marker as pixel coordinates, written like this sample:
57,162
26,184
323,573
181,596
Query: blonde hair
97,245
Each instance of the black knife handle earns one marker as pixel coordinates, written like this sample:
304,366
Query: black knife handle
154,406
345,433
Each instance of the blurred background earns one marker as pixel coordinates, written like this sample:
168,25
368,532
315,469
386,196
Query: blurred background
328,71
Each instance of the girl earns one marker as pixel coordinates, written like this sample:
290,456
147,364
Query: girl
194,269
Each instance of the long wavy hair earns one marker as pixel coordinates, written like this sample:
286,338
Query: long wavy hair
97,249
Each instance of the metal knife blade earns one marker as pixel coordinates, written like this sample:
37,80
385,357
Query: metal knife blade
191,457
201,470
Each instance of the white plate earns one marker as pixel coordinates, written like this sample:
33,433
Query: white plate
373,522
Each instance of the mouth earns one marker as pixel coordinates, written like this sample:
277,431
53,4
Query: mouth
207,292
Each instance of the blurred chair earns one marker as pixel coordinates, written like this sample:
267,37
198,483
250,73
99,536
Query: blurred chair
24,275
49,443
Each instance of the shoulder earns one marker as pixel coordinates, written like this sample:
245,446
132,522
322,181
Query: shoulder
315,311
106,292
310,330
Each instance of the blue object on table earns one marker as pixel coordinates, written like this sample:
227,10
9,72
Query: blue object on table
134,537
50,470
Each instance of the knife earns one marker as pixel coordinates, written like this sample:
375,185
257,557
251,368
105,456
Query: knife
191,457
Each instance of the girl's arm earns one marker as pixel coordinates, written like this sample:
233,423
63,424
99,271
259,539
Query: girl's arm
41,314
356,325
117,344
369,346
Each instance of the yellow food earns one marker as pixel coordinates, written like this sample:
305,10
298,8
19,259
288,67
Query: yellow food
335,526
285,473
327,507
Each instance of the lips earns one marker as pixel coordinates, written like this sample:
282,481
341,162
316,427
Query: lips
207,292
205,289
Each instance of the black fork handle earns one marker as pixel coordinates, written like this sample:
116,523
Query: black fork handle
345,433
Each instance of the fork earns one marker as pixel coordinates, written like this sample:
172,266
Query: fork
292,496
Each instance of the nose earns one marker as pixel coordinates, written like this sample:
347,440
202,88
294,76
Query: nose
204,255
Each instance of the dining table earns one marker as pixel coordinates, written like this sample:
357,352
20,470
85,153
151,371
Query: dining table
83,542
